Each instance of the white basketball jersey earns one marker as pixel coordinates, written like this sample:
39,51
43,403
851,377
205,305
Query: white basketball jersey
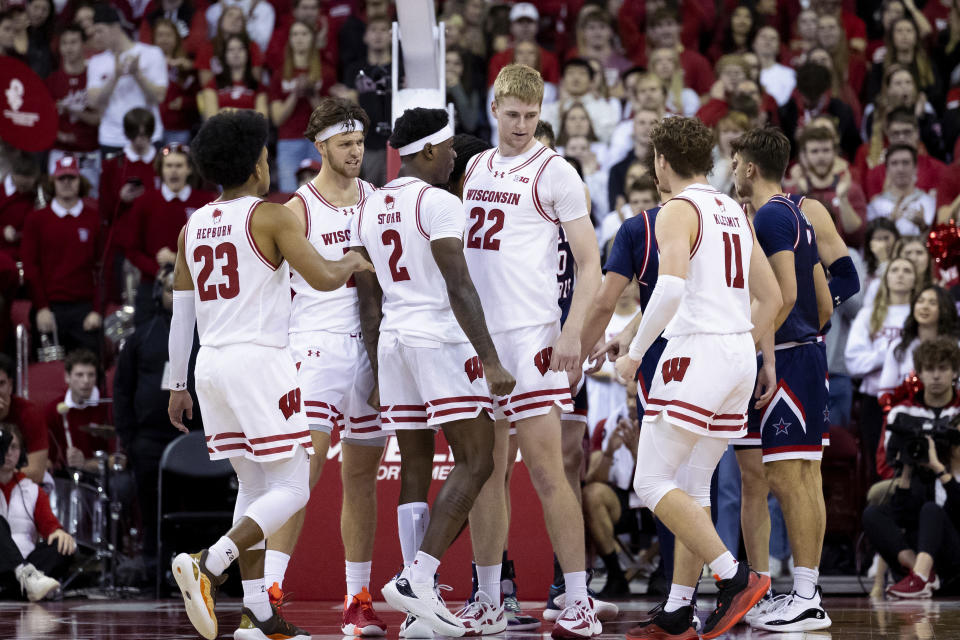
514,206
716,298
240,296
328,230
396,224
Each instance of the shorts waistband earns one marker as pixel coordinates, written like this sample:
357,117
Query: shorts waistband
791,345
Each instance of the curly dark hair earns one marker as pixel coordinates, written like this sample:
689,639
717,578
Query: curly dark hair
228,146
331,111
544,130
686,143
948,323
466,146
80,356
766,147
417,123
939,350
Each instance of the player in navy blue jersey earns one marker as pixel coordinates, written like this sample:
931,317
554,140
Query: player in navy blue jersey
784,445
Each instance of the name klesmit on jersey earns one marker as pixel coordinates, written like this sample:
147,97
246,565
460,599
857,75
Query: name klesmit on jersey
501,197
727,221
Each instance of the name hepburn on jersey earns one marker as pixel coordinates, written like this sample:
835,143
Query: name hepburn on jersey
502,197
214,232
727,221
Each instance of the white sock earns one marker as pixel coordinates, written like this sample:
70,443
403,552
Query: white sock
922,576
805,582
764,573
680,596
424,567
412,521
725,565
488,581
358,577
220,554
275,567
256,599
576,582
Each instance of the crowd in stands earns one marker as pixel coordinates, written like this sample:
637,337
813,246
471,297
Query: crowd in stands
867,92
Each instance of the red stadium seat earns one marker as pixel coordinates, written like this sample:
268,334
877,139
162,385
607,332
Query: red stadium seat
47,382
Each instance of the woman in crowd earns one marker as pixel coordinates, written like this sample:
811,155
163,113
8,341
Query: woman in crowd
41,16
851,66
914,249
665,65
900,90
235,87
934,313
295,92
730,127
575,122
467,99
737,34
210,54
880,239
580,148
903,46
178,111
875,328
805,37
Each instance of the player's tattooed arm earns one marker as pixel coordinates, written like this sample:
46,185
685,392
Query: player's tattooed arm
370,297
465,303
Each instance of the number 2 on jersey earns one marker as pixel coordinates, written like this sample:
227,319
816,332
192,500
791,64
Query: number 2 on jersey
489,240
733,259
391,237
208,256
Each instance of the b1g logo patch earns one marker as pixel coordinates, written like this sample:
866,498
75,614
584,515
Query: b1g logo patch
542,360
473,368
674,369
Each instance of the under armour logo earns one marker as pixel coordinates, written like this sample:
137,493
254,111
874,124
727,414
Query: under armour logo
499,174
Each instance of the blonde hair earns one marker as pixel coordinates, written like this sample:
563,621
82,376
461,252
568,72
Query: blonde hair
882,302
518,81
315,65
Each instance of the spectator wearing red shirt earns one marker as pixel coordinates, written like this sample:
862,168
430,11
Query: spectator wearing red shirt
25,516
60,250
25,416
178,109
210,53
294,93
188,18
821,174
698,18
595,42
901,127
78,123
663,30
18,197
308,12
236,87
524,25
159,216
73,446
854,27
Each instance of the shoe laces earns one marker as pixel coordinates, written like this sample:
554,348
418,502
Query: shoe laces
470,610
278,597
437,588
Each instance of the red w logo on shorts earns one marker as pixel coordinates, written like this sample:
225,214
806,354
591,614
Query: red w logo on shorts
674,369
473,368
542,360
290,403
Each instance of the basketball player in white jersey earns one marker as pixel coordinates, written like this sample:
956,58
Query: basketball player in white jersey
232,278
710,268
515,197
428,342
332,366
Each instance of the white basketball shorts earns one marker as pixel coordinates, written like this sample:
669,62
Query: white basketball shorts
335,381
526,353
704,383
425,387
251,402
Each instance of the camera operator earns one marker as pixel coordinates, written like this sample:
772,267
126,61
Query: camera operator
917,528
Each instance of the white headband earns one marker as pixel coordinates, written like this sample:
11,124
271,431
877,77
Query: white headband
433,138
347,126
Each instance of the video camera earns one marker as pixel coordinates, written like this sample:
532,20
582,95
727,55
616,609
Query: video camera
913,431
